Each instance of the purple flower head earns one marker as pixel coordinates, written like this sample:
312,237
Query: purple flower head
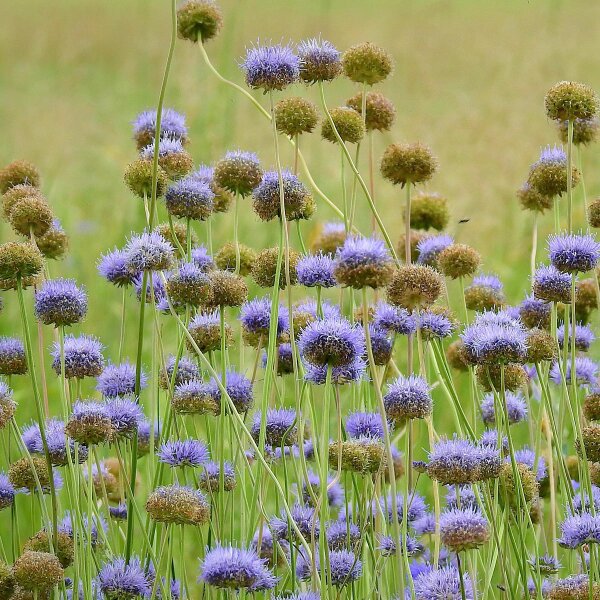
361,424
381,345
280,426
203,173
166,146
534,312
387,546
82,357
586,372
186,370
350,373
434,325
125,415
527,457
309,306
495,338
94,526
60,302
56,441
553,154
516,407
172,124
305,519
320,60
270,67
156,289
145,433
416,507
551,285
113,267
490,282
202,259
12,356
547,564
191,198
358,251
584,336
408,398
443,583
489,438
239,389
301,596
463,528
430,247
571,253
342,535
285,363
335,342
231,568
581,501
255,316
394,319
121,580
424,525
316,270
149,251
7,492
580,529
454,461
183,453
211,473
267,194
118,512
333,227
119,380
345,567
335,492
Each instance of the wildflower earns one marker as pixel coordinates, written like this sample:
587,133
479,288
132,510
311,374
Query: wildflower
408,398
393,319
183,453
191,397
280,427
119,380
118,512
295,116
228,289
361,424
591,406
366,63
319,60
198,20
139,177
205,329
186,371
416,508
454,461
316,270
172,125
82,357
125,415
331,342
586,372
12,357
590,442
89,423
414,286
239,390
19,261
363,262
344,567
264,270
255,317
210,477
516,408
267,195
63,546
271,67
121,580
189,285
443,582
434,324
380,112
56,442
190,198
429,248
408,163
458,260
285,361
54,243
531,199
571,253
303,517
7,492
463,529
584,337
551,285
148,252
568,100
548,175
231,568
342,535
31,215
429,211
38,571
225,258
347,124
580,529
178,504
330,238
172,157
335,492
60,302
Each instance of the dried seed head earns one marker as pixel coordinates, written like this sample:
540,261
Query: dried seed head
37,570
408,163
429,211
459,260
295,116
379,110
541,346
591,406
229,289
15,194
7,581
18,172
529,483
265,267
489,377
54,243
414,286
176,504
226,258
198,20
329,238
348,124
180,230
138,177
456,356
31,215
21,474
205,330
361,455
63,546
19,260
531,199
239,172
594,213
585,131
590,434
367,63
569,100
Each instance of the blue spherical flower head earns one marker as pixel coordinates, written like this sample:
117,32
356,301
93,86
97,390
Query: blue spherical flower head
416,507
82,357
255,317
586,372
463,529
186,371
547,564
121,580
361,424
146,434
306,311
550,285
344,567
56,441
516,407
316,270
183,453
581,502
342,535
172,124
189,285
113,267
429,248
125,416
239,390
424,525
350,373
553,154
408,398
394,319
231,568
381,345
270,68
465,494
12,356
166,146
305,519
570,253
210,478
387,546
526,456
443,582
60,302
534,312
454,461
190,198
335,492
203,173
331,342
267,195
584,337
363,262
7,492
280,427
578,530
149,251
434,325
202,259
119,380
490,282
118,512
320,60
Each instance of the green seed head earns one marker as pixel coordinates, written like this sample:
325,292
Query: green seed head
367,63
458,260
31,215
63,546
379,110
429,211
489,377
226,258
591,407
37,570
19,260
569,100
229,289
585,131
265,266
19,172
198,20
348,124
138,177
295,116
414,286
531,199
21,474
541,346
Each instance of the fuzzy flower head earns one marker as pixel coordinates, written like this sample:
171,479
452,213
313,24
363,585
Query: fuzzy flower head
347,373
202,259
319,60
434,324
271,67
463,529
238,171
239,390
183,453
82,357
190,198
89,423
267,200
548,175
580,529
114,268
394,319
7,492
345,567
255,317
551,285
443,583
60,302
526,456
303,517
210,477
56,440
121,580
119,380
570,253
178,504
316,270
408,398
362,424
454,461
125,416
584,336
363,262
149,251
12,356
280,427
516,407
172,125
586,372
429,248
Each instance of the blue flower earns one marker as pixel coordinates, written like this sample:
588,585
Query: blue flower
586,371
119,380
305,519
255,316
581,501
443,583
186,371
571,253
125,415
454,461
345,567
239,389
271,67
490,282
172,124
430,247
316,270
60,302
149,251
342,535
82,357
584,336
280,426
166,146
320,60
118,512
12,356
394,319
211,474
317,374
335,492
113,267
202,259
267,195
120,580
551,285
463,529
408,398
309,307
93,527
387,546
416,507
361,424
190,198
56,441
534,312
516,407
580,529
183,453
528,457
424,525
7,492
434,325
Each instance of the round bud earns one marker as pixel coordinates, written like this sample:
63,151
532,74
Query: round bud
37,570
22,475
205,330
319,61
590,434
459,260
531,199
366,63
19,260
541,346
489,377
19,172
414,286
89,424
228,289
7,406
13,360
180,505
63,546
548,175
266,196
239,172
198,20
138,177
585,295
480,298
303,212
585,131
7,581
415,237
348,124
189,285
265,267
379,110
31,215
54,243
569,100
408,163
295,116
429,211
362,455
591,406
456,356
594,213
528,479
15,194
180,230
226,258
594,469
